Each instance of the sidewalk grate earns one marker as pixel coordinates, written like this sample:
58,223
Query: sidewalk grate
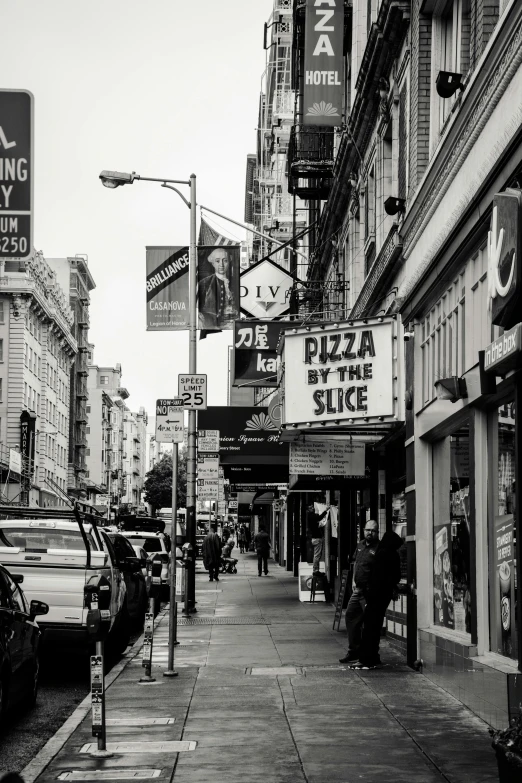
167,746
222,621
109,774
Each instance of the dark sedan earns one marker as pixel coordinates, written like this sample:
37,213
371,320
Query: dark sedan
19,638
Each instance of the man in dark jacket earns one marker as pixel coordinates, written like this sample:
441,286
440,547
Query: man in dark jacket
381,589
262,547
364,561
211,550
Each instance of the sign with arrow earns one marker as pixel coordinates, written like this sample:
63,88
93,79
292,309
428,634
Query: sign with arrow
16,174
169,420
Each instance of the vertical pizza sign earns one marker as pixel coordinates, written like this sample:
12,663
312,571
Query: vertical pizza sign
323,63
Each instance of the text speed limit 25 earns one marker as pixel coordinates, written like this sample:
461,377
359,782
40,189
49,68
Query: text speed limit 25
193,391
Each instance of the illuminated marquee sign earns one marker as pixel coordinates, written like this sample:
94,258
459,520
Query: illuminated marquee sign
342,374
505,258
323,62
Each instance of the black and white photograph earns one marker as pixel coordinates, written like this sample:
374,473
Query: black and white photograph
260,391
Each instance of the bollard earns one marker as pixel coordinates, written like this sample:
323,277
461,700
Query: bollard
188,557
99,728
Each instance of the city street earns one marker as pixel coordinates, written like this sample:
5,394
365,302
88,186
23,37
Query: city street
261,696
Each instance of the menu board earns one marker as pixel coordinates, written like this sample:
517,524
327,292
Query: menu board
327,458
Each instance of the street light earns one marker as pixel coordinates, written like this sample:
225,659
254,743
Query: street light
113,179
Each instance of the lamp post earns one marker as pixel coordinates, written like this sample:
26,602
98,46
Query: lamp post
114,179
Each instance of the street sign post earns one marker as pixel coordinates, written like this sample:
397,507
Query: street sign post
16,171
169,420
193,389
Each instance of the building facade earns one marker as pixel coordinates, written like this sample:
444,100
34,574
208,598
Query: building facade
37,351
76,280
411,219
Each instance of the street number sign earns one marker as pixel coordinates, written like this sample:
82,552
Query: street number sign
193,390
16,174
169,420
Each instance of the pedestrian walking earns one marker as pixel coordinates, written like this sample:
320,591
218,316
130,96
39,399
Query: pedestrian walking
211,550
242,539
364,561
316,523
248,538
262,546
382,588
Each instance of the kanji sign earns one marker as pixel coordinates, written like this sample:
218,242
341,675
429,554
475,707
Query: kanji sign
193,390
169,420
16,174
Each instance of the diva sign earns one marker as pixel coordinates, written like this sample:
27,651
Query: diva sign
341,373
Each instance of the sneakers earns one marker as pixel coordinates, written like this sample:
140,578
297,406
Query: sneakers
349,659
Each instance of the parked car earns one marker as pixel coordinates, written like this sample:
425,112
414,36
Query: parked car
143,556
19,641
57,558
155,544
130,566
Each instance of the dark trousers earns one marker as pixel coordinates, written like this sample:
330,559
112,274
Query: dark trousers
262,561
354,620
213,571
371,635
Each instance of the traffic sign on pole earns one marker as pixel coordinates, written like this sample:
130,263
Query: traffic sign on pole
169,420
16,171
193,389
208,440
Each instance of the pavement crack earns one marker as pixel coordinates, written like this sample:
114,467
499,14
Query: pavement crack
305,778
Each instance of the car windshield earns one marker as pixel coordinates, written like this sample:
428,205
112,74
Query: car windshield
42,538
148,544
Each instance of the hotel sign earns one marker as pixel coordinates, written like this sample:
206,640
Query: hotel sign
323,62
341,374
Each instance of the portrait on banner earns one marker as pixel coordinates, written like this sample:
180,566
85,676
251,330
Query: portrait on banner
218,287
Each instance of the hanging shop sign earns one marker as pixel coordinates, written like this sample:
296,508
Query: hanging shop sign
504,353
167,288
317,457
341,374
247,435
218,287
323,62
265,290
15,461
505,258
255,352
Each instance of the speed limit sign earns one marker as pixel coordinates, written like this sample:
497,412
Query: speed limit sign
193,390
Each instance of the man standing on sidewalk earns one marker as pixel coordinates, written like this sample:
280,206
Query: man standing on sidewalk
262,546
211,551
362,572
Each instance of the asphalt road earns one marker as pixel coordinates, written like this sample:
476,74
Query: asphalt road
64,683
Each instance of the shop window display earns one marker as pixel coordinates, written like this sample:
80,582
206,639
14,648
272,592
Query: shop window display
502,506
451,532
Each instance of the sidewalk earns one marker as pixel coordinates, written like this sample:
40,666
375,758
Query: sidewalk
262,698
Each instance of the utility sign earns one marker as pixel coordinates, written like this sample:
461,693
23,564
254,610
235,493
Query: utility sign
16,174
193,390
208,440
208,466
169,420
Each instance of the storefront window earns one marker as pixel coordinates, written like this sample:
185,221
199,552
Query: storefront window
451,532
502,532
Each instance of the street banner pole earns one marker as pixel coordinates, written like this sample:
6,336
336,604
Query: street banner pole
173,566
192,425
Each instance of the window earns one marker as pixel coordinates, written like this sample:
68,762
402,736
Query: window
1,390
18,601
2,312
1,350
104,380
452,524
502,534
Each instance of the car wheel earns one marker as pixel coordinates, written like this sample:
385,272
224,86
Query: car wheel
122,632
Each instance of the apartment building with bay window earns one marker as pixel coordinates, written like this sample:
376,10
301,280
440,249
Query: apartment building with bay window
414,189
37,351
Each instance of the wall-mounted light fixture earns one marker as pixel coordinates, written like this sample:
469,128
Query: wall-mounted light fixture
448,83
452,389
393,205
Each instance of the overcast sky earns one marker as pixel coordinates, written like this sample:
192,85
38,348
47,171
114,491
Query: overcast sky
163,88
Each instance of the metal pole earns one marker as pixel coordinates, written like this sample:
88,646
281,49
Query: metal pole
173,565
99,725
192,424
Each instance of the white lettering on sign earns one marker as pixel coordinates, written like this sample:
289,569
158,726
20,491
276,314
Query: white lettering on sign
322,77
167,273
193,390
495,242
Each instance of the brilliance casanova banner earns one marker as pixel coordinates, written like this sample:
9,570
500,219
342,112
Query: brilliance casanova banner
167,288
323,62
341,373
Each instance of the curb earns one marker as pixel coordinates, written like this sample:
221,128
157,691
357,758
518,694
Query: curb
54,745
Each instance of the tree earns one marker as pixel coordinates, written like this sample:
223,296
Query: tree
158,482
